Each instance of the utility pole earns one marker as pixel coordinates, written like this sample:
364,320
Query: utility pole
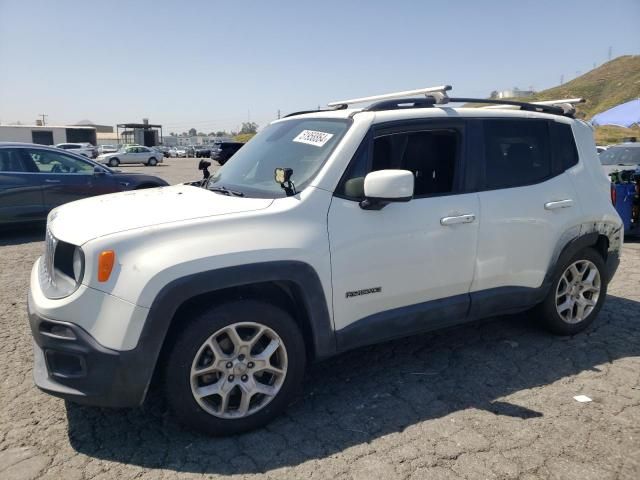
278,114
562,79
610,52
43,117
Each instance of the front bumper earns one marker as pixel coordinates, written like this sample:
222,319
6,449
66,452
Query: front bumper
69,363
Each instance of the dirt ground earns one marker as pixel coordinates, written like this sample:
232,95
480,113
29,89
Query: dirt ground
488,400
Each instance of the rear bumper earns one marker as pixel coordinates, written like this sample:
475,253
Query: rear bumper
69,363
612,264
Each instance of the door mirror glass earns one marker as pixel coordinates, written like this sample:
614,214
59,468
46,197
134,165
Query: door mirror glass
99,171
385,186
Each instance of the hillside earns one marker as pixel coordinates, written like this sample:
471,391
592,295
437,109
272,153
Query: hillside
604,87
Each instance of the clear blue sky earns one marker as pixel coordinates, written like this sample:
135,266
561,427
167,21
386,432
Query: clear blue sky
206,64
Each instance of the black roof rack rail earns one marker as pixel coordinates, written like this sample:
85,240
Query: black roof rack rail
564,107
302,112
438,96
530,107
402,103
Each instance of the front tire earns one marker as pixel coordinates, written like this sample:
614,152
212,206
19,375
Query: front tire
577,293
234,367
114,162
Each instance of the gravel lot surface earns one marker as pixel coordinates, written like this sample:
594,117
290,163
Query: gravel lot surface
173,170
490,400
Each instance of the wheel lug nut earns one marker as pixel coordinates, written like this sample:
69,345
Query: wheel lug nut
250,365
244,378
241,357
231,378
229,364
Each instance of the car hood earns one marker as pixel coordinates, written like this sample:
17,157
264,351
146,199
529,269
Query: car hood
83,220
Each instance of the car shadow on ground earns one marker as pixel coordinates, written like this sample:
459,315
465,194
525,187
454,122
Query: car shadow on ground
15,236
371,392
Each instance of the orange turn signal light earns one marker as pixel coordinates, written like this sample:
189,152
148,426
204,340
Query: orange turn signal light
106,260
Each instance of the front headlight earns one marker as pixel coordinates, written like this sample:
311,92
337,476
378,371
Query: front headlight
78,264
62,268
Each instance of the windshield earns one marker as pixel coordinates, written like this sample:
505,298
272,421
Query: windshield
302,144
621,155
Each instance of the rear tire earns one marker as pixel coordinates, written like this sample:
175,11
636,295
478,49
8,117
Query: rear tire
152,162
577,293
242,388
114,162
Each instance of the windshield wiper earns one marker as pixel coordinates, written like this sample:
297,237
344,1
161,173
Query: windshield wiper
226,191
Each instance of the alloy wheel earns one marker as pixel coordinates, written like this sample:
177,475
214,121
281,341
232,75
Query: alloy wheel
238,370
578,291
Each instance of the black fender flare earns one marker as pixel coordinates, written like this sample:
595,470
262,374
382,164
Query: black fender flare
584,236
177,292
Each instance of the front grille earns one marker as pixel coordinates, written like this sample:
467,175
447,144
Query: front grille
46,265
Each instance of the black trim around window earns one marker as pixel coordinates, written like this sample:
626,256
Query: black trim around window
470,173
410,126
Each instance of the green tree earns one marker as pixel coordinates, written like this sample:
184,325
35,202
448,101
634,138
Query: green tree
249,127
192,132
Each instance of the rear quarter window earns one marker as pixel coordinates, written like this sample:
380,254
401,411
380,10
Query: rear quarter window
563,146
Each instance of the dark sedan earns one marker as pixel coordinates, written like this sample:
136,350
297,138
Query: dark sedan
221,152
34,179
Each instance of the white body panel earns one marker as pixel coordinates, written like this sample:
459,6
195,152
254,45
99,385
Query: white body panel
403,249
518,235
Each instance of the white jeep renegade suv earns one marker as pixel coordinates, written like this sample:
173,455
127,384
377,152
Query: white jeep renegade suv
329,230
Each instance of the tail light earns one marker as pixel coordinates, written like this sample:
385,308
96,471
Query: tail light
614,194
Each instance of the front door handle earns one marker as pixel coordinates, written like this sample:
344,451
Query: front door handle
558,204
466,218
48,180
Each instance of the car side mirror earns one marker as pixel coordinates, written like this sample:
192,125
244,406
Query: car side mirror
97,171
386,186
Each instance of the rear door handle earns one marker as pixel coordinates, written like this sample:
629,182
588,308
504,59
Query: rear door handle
48,180
558,204
466,218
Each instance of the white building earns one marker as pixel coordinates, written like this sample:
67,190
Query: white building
514,93
48,134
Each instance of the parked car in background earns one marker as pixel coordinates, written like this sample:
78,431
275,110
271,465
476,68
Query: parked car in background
162,150
190,151
173,152
223,151
102,149
203,152
181,152
85,149
137,154
625,156
601,148
35,179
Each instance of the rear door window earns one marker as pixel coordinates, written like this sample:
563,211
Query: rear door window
11,161
516,153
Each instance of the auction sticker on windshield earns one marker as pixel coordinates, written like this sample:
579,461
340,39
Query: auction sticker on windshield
313,137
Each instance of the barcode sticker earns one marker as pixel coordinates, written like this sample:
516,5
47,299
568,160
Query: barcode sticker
313,137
